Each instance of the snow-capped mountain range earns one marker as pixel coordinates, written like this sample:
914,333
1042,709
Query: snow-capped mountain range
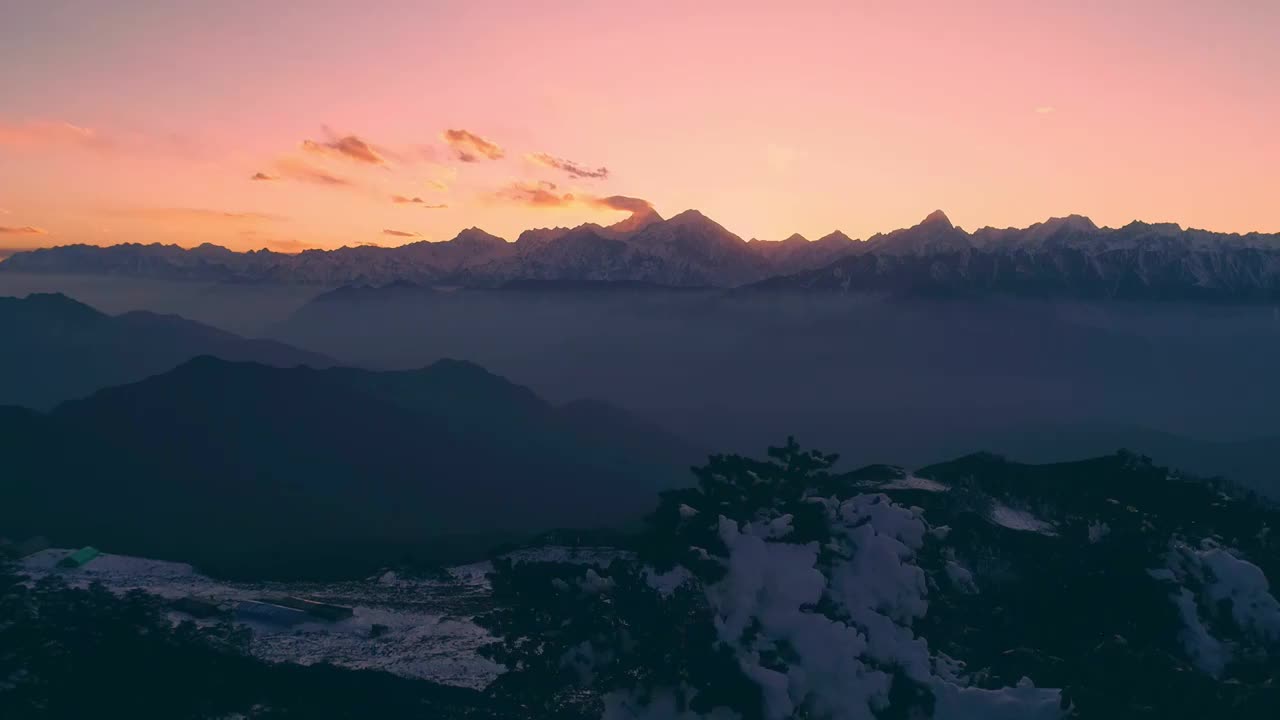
1068,255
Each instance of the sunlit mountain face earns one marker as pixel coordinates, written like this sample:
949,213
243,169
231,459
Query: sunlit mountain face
684,361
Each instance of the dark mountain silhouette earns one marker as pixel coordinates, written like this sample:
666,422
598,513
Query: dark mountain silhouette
798,253
216,460
1060,258
1066,256
62,349
933,235
909,379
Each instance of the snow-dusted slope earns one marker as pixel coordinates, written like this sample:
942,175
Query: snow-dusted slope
972,589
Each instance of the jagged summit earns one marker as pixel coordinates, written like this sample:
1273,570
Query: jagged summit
1073,221
1159,228
937,218
835,236
474,235
690,217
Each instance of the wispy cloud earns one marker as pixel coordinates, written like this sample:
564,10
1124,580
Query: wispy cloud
545,194
569,167
402,200
22,230
263,177
38,133
182,214
399,233
470,147
53,135
440,185
291,169
1045,109
350,147
539,194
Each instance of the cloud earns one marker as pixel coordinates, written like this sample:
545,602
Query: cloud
469,147
539,194
570,167
402,200
349,147
622,202
399,233
181,214
39,133
545,195
60,135
302,172
263,176
1045,109
23,230
440,185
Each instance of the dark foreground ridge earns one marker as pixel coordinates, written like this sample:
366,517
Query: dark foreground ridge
773,588
241,465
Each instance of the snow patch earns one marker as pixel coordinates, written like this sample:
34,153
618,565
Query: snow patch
667,582
911,482
961,578
1021,520
428,629
1211,578
836,665
1206,652
1097,531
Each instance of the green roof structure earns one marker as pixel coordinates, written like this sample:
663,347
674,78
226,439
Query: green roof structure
80,557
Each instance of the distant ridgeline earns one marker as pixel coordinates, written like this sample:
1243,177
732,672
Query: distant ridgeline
1061,257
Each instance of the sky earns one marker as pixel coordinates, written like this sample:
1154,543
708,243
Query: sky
291,125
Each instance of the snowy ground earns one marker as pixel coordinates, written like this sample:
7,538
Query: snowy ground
429,629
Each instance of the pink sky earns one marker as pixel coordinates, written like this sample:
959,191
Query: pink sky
144,121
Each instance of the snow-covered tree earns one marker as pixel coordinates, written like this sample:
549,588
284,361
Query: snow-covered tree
773,589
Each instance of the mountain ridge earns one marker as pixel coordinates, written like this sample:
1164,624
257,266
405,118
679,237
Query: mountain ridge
268,457
691,249
70,348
